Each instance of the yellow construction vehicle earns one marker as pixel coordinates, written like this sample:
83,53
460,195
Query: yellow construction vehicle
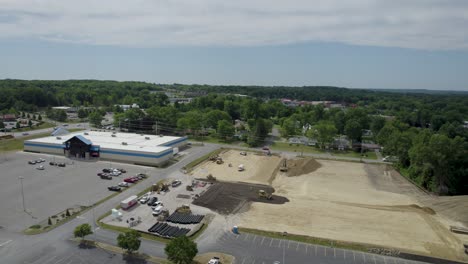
263,194
284,166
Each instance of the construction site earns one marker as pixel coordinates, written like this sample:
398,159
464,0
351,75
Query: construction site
369,204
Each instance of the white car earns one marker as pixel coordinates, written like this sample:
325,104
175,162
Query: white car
157,210
144,199
214,260
42,160
156,204
115,173
40,167
124,184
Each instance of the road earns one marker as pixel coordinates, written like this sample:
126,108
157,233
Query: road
48,130
55,247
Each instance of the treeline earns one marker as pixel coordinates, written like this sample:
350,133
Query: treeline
424,131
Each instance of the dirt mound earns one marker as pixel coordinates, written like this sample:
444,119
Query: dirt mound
427,210
298,167
229,197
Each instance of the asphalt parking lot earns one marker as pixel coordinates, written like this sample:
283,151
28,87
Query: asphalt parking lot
296,252
53,189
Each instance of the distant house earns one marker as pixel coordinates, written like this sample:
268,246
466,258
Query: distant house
367,133
67,109
126,107
303,141
8,117
366,146
340,144
59,132
465,124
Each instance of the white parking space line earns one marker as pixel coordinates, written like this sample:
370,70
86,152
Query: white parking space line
271,242
62,259
255,237
262,241
325,250
315,250
246,237
344,254
253,262
334,252
364,257
297,248
354,256
279,245
289,242
384,260
375,262
306,246
40,261
237,236
6,243
243,261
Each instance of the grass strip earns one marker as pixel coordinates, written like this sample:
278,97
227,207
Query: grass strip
194,163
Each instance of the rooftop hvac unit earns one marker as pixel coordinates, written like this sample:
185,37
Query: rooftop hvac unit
147,137
113,135
124,143
58,137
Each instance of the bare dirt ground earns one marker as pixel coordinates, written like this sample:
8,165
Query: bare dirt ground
362,203
259,168
227,197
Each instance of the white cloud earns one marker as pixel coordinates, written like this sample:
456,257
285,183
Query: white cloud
420,24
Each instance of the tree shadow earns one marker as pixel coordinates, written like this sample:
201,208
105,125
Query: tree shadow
134,259
86,245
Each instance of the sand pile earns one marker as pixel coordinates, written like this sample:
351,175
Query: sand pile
302,166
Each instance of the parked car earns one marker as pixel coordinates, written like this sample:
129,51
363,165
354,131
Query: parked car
243,153
52,163
124,184
38,161
157,210
176,183
130,180
156,204
106,170
152,201
144,199
61,164
42,160
122,170
142,175
106,177
114,188
25,133
114,173
40,167
214,260
32,162
266,148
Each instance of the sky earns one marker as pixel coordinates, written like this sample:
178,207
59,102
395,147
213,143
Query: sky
402,44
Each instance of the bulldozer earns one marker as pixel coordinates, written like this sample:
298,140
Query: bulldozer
284,166
263,194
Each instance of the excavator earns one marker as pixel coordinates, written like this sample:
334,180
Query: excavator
284,166
263,194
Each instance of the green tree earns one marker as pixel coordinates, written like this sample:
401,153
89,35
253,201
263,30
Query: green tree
289,128
225,129
39,117
376,124
82,231
18,125
30,123
28,115
130,241
23,115
2,125
212,117
95,118
82,113
324,132
353,130
181,250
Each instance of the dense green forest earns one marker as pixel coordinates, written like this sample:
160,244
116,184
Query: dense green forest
424,131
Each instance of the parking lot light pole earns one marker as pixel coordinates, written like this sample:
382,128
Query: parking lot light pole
22,192
284,247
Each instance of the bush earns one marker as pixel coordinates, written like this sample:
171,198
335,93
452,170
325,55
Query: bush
35,227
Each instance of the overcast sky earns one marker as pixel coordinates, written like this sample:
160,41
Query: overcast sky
353,43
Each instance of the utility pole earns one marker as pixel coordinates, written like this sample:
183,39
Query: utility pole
22,192
284,247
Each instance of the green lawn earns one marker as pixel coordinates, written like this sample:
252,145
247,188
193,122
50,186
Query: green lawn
41,126
17,143
294,148
284,146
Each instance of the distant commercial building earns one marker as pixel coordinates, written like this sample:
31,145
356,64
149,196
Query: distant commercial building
141,149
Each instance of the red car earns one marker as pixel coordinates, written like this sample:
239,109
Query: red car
130,180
